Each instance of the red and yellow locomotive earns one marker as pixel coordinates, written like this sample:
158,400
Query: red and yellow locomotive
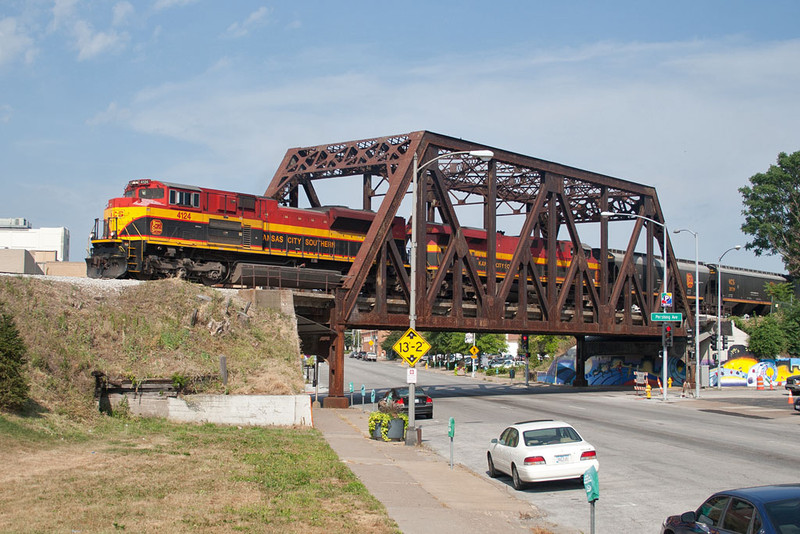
160,229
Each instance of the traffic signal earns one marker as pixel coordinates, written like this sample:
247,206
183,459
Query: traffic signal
666,335
714,341
523,340
724,342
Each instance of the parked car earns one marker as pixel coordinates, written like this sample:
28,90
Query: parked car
793,385
758,510
797,404
540,451
370,357
423,405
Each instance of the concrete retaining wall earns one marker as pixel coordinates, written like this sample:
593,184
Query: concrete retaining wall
255,410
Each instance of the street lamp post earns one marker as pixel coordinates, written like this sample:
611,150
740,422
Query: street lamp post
696,310
664,354
484,155
719,315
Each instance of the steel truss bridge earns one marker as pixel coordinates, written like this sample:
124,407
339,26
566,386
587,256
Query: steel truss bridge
551,202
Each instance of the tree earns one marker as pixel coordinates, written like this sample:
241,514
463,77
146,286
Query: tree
772,211
389,342
13,382
767,338
491,343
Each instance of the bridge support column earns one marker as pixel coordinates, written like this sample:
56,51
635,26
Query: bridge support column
580,362
336,397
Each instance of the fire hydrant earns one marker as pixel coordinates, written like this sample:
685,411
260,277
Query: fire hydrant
647,389
669,382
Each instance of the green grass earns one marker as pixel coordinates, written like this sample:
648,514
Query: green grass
149,475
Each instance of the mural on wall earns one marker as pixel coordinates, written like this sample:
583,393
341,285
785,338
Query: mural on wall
613,370
741,369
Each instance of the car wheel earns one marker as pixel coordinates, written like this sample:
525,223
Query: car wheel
518,484
492,471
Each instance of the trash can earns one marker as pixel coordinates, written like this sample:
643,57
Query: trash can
512,372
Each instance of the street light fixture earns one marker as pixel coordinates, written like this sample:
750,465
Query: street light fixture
696,310
484,155
664,353
719,315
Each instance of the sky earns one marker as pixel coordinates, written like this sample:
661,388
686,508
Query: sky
690,97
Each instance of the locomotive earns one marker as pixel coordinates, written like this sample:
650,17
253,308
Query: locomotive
160,229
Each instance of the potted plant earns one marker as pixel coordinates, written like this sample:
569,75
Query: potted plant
387,423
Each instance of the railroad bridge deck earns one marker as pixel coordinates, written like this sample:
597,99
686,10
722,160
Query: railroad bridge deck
466,291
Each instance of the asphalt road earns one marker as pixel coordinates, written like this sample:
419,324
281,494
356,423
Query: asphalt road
656,458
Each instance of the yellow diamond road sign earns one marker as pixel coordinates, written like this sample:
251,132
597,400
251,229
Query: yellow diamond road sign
411,347
474,351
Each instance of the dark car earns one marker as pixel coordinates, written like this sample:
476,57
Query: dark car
423,407
758,510
797,404
793,385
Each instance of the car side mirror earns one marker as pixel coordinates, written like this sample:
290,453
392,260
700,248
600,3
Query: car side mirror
688,517
494,440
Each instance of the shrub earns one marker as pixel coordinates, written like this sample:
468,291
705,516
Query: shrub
13,382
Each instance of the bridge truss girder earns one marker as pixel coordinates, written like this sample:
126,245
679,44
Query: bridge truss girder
551,197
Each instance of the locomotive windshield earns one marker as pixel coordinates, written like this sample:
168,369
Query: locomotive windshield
143,189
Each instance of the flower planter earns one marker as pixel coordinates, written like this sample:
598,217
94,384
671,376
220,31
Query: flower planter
396,430
386,427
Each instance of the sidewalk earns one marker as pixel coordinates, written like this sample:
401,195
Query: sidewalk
418,488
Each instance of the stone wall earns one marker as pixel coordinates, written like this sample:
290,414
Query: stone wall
255,410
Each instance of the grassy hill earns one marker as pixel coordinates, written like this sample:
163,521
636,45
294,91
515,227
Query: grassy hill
72,469
159,329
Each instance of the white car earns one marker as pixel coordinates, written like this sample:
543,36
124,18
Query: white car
539,451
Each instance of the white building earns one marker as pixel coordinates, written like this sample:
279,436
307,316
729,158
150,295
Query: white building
17,234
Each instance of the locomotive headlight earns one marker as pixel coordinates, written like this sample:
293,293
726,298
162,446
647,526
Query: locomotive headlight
114,234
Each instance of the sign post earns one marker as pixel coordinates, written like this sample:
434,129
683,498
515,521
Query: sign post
451,431
474,351
592,486
411,347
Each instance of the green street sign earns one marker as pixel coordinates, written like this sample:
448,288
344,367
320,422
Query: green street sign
666,316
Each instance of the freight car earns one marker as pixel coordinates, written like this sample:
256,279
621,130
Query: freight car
743,291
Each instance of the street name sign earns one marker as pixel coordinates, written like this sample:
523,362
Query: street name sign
411,347
666,316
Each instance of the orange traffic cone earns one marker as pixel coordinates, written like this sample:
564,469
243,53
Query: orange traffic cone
791,401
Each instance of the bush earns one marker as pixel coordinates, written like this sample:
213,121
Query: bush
13,382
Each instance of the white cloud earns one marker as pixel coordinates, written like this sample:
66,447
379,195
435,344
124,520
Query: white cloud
113,113
255,19
63,13
91,43
167,4
122,11
14,42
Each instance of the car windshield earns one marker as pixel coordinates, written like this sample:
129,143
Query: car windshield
549,436
785,514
